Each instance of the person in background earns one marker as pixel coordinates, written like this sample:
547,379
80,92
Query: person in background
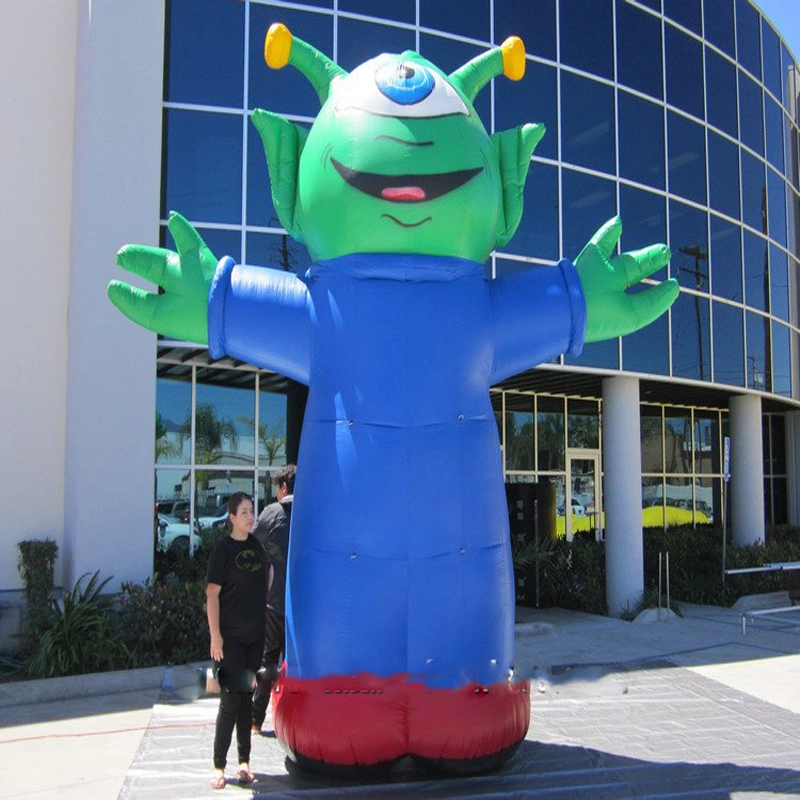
236,594
272,530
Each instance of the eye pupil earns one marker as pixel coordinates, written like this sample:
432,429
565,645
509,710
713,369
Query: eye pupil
404,83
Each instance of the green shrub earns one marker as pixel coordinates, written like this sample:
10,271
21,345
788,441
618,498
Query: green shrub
77,635
36,561
574,576
164,622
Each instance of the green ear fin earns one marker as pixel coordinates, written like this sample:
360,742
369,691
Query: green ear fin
283,142
515,148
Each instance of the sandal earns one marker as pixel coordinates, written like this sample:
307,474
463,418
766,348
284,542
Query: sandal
218,781
244,775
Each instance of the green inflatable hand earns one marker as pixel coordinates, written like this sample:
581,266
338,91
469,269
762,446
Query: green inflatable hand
182,311
610,310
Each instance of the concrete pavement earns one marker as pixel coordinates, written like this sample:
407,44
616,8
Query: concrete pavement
678,706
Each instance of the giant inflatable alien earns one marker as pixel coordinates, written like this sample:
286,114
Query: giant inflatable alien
400,595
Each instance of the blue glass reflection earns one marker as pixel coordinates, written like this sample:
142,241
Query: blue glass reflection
220,242
757,356
641,140
773,118
537,234
728,344
684,60
471,20
721,93
399,10
770,44
601,355
587,40
647,350
778,283
781,360
723,174
277,250
718,24
204,59
644,220
533,99
687,158
776,207
755,271
685,12
688,240
691,341
587,203
360,41
639,50
285,91
587,123
537,29
203,166
754,192
726,260
748,39
751,114
260,210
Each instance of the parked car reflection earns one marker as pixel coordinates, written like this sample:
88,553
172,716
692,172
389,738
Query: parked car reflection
174,534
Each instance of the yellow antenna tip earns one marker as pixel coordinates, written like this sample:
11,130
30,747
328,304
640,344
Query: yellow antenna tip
278,44
513,50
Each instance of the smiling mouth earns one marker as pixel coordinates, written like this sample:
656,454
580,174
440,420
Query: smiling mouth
405,188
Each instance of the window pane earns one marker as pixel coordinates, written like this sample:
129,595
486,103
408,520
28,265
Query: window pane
726,259
173,409
533,99
690,337
587,130
776,207
360,41
224,419
718,22
537,234
708,500
644,220
204,61
638,33
214,487
748,40
754,192
400,10
684,59
271,429
772,59
519,432
777,448
781,361
550,434
779,283
685,12
278,251
751,114
687,158
587,203
677,441
472,19
647,350
260,210
641,141
220,242
758,360
583,424
706,442
653,502
721,93
285,91
203,166
586,36
773,118
779,501
723,169
728,345
537,30
688,240
652,445
756,274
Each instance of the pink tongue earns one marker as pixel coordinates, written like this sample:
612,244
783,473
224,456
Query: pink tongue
403,193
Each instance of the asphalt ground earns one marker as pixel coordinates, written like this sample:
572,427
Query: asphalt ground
667,707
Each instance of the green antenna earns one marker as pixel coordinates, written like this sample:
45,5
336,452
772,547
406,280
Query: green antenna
508,60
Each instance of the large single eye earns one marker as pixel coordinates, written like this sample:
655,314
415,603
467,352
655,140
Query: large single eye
404,83
392,86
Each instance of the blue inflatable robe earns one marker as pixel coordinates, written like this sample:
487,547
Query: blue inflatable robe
400,591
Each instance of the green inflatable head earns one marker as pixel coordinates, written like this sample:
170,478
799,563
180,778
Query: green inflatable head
397,160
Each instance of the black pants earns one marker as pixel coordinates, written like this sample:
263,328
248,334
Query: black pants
235,708
274,639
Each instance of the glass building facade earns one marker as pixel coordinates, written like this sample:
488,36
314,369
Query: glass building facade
680,115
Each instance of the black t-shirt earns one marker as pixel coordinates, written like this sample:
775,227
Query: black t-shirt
242,570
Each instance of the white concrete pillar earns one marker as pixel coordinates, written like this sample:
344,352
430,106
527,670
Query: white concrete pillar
793,466
747,470
622,493
108,516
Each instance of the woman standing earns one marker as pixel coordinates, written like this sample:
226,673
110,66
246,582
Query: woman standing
236,595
